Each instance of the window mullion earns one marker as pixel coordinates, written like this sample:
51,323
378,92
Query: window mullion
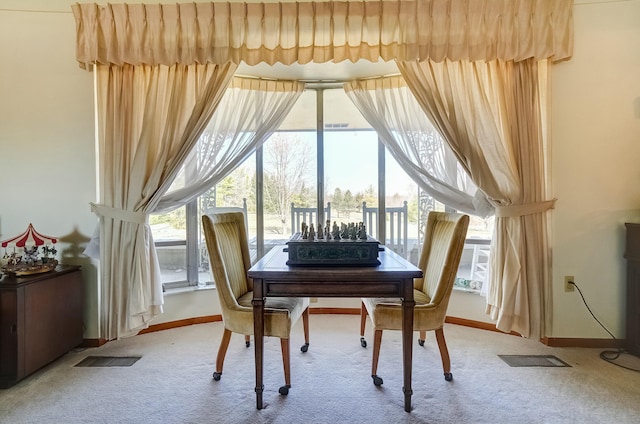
259,202
320,154
192,242
382,207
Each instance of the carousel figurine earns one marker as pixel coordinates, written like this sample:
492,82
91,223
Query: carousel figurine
30,262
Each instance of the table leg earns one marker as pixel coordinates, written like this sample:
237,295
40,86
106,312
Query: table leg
258,334
407,341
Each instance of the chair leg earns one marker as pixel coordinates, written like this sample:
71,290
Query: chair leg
247,340
363,324
377,341
284,345
422,337
222,351
305,326
444,353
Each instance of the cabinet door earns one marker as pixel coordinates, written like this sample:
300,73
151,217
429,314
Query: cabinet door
53,319
11,366
632,254
633,308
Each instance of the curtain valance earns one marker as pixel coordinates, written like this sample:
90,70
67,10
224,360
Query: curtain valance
303,32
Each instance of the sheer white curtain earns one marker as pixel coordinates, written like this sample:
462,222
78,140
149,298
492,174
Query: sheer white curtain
149,118
392,110
490,113
249,112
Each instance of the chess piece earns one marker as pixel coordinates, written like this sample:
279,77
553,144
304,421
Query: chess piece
336,231
363,231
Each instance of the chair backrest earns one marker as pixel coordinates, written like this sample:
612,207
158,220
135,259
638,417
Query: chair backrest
445,234
308,216
396,232
204,257
226,238
243,209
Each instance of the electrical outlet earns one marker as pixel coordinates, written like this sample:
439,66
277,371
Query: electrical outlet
568,287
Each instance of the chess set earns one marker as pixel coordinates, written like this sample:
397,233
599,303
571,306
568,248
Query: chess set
344,245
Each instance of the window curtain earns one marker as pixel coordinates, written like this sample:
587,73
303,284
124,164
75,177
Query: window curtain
122,37
250,110
490,113
392,110
148,120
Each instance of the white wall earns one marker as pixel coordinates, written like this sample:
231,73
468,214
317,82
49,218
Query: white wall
46,133
596,177
48,168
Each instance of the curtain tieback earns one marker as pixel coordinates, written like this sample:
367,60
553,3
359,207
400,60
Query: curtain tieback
524,209
119,214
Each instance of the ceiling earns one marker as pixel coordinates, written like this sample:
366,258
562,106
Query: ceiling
339,110
320,72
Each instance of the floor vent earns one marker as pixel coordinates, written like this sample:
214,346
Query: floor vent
108,361
533,361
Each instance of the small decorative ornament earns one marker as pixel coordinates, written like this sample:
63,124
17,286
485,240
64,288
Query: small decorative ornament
21,255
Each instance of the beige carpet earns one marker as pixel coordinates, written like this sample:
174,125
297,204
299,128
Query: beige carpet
172,382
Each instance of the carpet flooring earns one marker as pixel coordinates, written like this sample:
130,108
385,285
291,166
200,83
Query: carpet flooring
171,382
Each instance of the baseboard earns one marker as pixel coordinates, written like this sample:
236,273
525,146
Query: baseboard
160,327
312,311
549,341
575,342
334,311
93,342
181,323
476,324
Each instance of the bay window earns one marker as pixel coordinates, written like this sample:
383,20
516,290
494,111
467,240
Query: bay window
323,153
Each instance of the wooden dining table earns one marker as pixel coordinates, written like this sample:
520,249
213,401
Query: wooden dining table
393,278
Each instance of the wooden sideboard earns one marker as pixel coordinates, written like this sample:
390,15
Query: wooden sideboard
632,254
41,319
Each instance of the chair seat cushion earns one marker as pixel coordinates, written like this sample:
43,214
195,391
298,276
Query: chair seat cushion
280,313
386,313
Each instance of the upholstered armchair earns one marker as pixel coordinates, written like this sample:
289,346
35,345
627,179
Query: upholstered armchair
445,234
226,238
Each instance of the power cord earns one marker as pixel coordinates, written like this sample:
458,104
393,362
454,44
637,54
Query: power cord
607,355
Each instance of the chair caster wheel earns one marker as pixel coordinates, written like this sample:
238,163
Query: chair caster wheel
377,381
363,342
284,390
248,344
217,375
304,347
421,342
448,376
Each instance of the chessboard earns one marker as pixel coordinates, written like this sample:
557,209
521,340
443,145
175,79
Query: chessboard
332,252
